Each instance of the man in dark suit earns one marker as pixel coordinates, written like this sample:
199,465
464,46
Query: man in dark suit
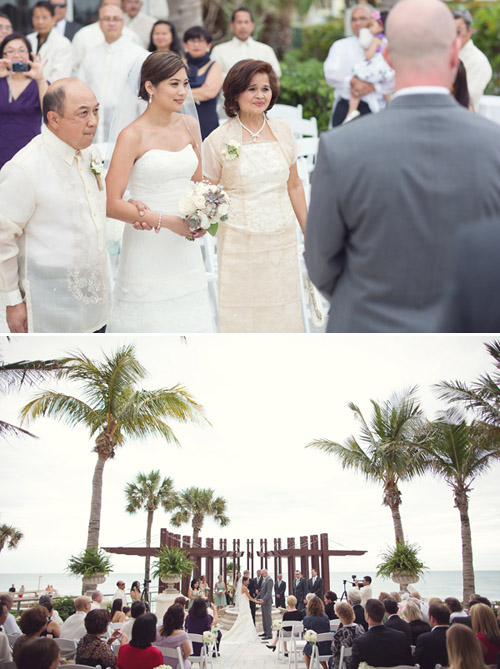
380,646
300,590
431,646
315,584
279,592
258,581
393,620
390,191
66,28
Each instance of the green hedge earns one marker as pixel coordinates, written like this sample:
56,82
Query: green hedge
317,40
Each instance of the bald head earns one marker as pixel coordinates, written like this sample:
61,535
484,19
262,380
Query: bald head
71,112
422,43
83,603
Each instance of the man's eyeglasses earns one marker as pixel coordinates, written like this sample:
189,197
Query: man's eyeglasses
61,5
110,19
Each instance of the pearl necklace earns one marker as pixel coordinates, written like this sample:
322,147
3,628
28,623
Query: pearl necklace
253,135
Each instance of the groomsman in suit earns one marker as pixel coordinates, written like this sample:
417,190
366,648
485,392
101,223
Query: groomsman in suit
266,602
258,580
315,584
300,590
431,646
279,592
379,244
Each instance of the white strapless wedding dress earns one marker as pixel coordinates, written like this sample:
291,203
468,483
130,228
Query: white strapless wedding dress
161,284
243,630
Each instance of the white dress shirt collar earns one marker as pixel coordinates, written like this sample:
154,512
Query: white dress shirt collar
421,90
239,42
65,151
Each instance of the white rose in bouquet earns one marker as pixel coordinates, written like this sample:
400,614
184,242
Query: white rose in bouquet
204,206
310,636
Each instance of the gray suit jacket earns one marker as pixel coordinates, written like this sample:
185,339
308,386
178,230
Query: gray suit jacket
389,193
266,592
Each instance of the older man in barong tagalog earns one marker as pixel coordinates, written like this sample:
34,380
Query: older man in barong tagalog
52,221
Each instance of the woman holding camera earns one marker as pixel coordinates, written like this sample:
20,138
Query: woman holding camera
22,87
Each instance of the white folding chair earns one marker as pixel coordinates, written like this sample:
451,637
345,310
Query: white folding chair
307,149
334,624
316,658
286,112
284,635
67,648
204,659
12,638
296,647
172,654
115,626
304,127
209,252
345,652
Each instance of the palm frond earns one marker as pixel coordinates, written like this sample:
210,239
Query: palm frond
70,410
9,430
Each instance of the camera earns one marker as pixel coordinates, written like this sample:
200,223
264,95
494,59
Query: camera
354,577
20,67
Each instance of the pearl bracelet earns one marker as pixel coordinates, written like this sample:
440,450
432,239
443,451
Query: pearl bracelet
158,227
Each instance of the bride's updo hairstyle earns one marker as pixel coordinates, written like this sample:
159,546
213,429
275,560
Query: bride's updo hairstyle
157,67
238,79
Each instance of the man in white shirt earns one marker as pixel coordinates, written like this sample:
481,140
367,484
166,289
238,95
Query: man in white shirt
136,20
120,593
477,66
54,50
105,68
365,588
344,54
9,626
137,609
64,27
74,626
243,45
96,599
91,36
5,653
52,221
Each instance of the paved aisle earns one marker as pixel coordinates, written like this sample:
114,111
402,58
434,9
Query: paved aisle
254,655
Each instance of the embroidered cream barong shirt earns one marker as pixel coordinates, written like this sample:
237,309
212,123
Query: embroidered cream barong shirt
52,237
230,53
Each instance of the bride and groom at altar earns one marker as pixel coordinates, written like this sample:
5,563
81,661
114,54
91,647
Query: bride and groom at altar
243,630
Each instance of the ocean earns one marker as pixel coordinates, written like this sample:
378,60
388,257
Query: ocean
433,584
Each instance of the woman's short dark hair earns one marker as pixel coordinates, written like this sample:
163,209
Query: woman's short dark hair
331,596
157,67
198,32
44,5
181,600
12,36
117,606
198,608
195,580
172,620
315,607
238,79
460,87
97,621
38,654
33,620
175,46
144,631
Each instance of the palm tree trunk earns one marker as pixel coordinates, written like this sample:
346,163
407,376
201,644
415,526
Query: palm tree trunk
398,524
392,499
148,542
184,14
95,504
462,504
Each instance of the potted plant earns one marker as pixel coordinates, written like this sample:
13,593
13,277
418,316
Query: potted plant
401,564
230,570
171,564
93,564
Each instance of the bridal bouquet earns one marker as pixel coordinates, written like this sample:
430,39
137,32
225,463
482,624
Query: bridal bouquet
204,206
311,636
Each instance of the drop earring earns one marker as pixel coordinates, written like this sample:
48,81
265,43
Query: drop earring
150,98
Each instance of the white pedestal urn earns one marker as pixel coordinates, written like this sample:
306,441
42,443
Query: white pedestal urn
167,597
404,580
90,583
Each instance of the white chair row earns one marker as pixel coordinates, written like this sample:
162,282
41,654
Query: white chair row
203,660
286,112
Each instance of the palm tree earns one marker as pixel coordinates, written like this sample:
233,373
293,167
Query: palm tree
112,410
9,535
459,452
149,492
196,503
389,452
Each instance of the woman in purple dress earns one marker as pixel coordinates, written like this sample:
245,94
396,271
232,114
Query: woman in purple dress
21,95
199,621
171,634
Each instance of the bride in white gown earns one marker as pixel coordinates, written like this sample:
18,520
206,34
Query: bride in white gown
243,630
161,284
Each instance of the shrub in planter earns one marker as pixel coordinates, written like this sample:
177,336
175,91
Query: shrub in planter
64,606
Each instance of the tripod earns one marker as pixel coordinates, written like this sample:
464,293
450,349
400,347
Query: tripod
145,593
344,592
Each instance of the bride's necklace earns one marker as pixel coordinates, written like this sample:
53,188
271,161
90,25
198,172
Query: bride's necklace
253,135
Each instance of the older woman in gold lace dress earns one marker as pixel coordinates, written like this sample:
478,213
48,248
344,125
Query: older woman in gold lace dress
254,158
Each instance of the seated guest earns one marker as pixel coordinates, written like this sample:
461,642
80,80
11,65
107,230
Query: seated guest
485,627
430,648
455,608
126,611
412,614
383,595
393,620
463,648
54,49
5,652
74,626
330,598
91,650
137,609
140,652
47,601
316,619
354,598
10,626
345,636
39,654
117,615
21,95
380,645
32,623
52,628
96,597
171,634
164,38
291,613
424,608
199,621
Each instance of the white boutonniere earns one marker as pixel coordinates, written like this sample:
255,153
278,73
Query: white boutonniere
97,169
231,150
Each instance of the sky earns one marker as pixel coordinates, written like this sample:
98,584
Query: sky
266,397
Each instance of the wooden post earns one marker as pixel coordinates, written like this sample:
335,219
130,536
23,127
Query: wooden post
325,561
209,569
186,581
291,566
304,562
315,558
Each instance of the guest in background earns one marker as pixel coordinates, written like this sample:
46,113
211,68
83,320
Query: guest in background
9,626
460,90
365,588
135,591
117,615
54,49
5,29
455,608
300,590
171,634
120,592
74,626
463,648
65,28
140,652
137,609
96,598
279,592
205,77
32,624
21,95
164,38
393,620
5,652
315,619
329,600
346,634
204,587
91,650
485,627
53,627
194,591
199,621
430,648
219,593
291,613
137,21
476,64
39,654
413,616
354,598
315,584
